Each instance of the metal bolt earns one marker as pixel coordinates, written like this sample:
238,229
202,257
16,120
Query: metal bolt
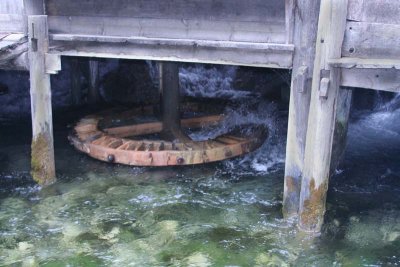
180,161
110,158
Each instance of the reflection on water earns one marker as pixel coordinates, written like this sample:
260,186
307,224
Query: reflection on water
225,214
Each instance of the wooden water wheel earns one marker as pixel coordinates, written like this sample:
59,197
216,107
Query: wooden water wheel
128,137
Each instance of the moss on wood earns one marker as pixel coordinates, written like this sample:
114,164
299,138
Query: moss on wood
313,211
42,162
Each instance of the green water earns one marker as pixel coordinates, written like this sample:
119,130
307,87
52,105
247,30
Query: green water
224,214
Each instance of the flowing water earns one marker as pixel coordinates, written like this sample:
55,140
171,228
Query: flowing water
223,214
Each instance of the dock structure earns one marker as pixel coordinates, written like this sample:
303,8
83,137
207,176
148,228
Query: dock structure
330,45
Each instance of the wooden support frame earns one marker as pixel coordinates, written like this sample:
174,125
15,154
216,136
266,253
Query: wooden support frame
42,161
322,116
305,29
270,55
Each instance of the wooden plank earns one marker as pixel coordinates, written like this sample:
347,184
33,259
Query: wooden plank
273,32
289,20
43,167
232,10
53,63
355,10
305,34
379,11
365,63
322,116
14,52
11,7
371,40
197,51
11,23
156,127
377,79
34,7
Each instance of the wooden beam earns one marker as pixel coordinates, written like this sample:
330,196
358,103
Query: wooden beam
43,166
32,7
365,63
212,10
289,20
182,50
322,116
382,11
224,30
377,79
371,40
305,33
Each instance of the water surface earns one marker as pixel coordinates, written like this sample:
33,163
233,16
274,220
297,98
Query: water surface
223,214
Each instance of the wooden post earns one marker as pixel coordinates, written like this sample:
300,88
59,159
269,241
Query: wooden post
305,33
43,167
344,100
76,84
93,92
169,88
322,115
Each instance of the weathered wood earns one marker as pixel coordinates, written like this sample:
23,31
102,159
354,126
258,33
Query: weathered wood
306,23
322,115
14,52
377,79
11,23
34,7
365,63
53,63
156,127
170,95
233,10
343,106
12,19
183,50
93,91
11,7
108,145
271,32
289,20
76,82
372,40
381,11
43,166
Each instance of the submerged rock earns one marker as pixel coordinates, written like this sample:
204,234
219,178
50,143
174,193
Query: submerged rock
374,230
198,259
269,260
166,232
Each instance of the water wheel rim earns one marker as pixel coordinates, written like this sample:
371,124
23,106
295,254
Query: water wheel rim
111,144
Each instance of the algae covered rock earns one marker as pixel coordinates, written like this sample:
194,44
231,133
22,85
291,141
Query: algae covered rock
198,259
269,260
